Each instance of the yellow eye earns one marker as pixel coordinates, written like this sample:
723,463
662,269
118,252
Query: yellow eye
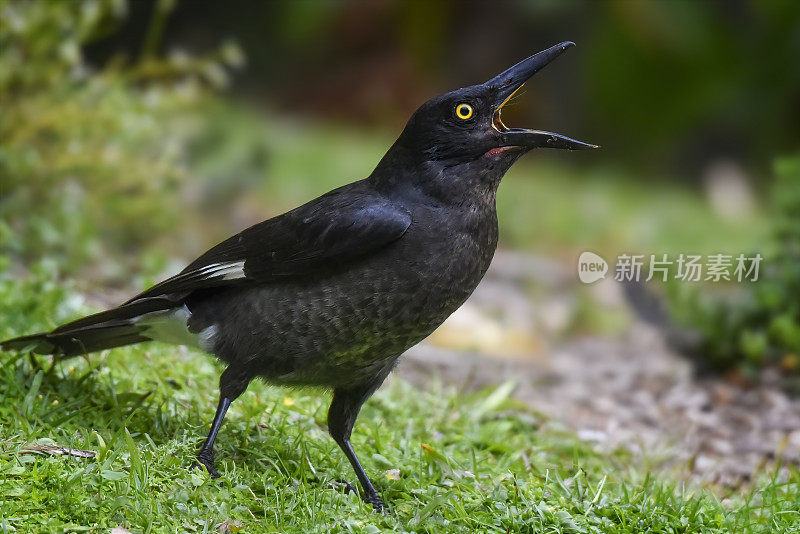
464,111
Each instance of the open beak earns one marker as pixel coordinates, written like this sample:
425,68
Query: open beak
506,84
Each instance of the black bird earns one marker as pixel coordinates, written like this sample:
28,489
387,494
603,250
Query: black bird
333,292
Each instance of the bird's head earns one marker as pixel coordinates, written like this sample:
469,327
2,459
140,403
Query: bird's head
464,125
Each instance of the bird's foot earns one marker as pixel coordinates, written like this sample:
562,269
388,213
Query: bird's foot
206,460
370,498
377,503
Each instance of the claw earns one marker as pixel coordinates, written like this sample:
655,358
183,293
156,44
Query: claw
370,498
376,502
205,461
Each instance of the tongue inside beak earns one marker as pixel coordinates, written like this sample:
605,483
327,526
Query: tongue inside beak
497,122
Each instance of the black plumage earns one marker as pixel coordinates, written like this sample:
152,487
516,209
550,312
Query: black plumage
333,292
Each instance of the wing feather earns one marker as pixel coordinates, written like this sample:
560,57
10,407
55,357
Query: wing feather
341,226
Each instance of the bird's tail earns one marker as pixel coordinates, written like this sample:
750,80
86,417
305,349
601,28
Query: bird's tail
105,330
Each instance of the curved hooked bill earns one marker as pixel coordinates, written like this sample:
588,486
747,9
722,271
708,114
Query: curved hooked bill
508,83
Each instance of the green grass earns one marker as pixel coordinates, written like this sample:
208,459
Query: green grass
444,461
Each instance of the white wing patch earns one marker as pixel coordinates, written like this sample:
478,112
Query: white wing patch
207,338
233,270
171,327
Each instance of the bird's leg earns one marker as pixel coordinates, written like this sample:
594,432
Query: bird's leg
341,417
231,385
205,455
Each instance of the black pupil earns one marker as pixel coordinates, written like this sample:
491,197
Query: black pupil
463,109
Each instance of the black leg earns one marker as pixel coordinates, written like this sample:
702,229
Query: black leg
231,385
341,418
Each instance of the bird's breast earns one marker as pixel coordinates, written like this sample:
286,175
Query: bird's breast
447,252
352,324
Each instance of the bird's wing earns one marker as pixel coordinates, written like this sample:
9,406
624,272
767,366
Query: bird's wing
338,227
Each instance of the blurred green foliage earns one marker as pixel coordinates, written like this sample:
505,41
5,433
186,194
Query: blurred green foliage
89,160
759,325
695,81
664,87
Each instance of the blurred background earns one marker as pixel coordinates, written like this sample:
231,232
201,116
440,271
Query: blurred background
135,135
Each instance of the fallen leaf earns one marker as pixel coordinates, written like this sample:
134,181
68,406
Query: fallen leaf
228,527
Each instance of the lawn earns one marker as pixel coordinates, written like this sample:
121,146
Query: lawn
444,461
